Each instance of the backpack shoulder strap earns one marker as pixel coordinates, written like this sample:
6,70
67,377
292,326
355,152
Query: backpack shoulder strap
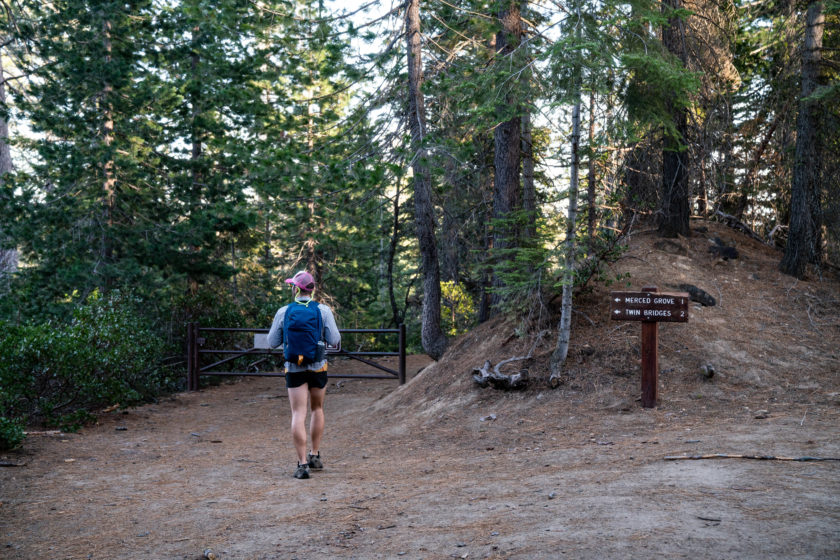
320,320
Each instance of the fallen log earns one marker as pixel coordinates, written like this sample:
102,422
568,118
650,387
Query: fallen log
735,223
46,433
756,457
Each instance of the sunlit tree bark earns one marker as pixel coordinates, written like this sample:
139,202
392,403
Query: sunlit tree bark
564,329
432,337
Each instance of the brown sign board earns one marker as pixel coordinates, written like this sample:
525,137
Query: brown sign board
649,306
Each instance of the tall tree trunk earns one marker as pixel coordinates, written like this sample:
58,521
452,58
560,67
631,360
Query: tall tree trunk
5,151
529,190
109,182
804,237
591,210
558,358
234,286
396,316
314,226
432,337
196,136
196,140
269,260
484,226
675,207
701,163
8,256
507,140
564,329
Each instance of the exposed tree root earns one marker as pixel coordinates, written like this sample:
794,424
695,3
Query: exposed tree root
484,376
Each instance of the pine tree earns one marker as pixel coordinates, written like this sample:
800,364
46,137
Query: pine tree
804,240
434,341
87,99
213,59
675,193
320,191
507,136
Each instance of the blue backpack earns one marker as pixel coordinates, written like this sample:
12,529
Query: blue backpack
302,327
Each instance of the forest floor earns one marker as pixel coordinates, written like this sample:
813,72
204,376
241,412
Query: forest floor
440,468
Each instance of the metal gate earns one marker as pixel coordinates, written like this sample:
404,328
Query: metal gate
197,353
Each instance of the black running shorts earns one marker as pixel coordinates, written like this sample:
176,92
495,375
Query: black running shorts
314,379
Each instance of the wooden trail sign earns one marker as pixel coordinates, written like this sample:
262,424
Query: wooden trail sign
650,307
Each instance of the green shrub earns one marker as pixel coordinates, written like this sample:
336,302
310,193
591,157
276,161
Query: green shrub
59,372
11,433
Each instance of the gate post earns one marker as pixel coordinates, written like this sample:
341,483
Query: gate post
196,355
192,357
190,343
402,354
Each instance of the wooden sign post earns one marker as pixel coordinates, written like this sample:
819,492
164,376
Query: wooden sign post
650,307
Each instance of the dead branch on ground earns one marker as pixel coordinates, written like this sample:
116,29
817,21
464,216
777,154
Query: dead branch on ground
756,457
737,224
484,376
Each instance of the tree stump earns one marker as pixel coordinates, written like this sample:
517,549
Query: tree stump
485,376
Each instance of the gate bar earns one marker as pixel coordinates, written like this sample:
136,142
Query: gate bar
263,330
194,369
280,374
263,350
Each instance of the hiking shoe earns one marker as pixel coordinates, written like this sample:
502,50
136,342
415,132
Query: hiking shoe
302,471
315,461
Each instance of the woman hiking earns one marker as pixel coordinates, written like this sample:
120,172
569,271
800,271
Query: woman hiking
301,327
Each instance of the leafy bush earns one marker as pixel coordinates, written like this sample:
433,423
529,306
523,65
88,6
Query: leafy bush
59,372
11,433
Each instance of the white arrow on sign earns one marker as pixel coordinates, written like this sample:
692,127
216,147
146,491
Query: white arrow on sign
617,300
617,311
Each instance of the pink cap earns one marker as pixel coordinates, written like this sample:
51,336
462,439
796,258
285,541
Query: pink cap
302,280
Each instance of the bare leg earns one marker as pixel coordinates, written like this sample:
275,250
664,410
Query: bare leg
298,399
316,422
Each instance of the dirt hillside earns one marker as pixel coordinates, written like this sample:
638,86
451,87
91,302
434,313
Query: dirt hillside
440,468
766,332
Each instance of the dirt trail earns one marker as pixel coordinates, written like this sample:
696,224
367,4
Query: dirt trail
212,470
439,468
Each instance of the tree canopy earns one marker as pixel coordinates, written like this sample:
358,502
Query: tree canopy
416,158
